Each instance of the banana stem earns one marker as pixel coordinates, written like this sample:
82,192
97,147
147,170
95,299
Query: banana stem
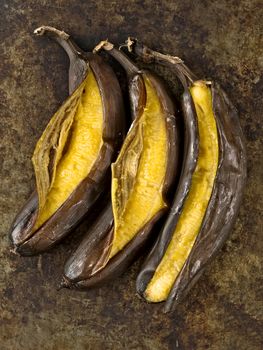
78,59
63,39
124,60
148,55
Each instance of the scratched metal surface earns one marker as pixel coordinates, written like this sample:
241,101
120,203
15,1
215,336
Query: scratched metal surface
218,39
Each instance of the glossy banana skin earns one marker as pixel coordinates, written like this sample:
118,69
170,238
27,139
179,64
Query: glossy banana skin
77,272
227,191
89,190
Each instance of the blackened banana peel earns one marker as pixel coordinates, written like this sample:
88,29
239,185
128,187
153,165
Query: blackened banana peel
142,175
223,205
73,156
225,201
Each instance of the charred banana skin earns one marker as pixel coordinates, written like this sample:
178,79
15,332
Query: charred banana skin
226,197
77,267
89,190
75,270
227,191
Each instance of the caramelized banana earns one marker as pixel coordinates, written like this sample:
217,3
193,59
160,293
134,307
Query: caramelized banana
187,244
142,175
73,156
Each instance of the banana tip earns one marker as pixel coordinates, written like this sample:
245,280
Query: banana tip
39,30
104,44
65,283
14,251
51,31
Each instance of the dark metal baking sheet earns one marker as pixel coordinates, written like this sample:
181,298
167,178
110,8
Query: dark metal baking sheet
219,40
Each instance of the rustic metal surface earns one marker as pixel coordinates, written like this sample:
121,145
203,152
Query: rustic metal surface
218,39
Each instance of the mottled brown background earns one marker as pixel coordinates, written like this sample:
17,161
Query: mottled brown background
218,39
